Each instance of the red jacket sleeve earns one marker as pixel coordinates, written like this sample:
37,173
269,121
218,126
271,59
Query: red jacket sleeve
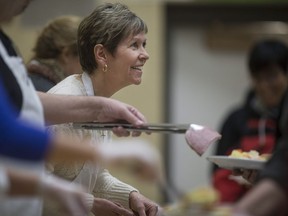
229,190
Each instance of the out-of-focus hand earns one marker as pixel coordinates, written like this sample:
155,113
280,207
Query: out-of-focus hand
248,175
70,197
70,148
113,111
135,155
145,171
141,206
105,207
265,198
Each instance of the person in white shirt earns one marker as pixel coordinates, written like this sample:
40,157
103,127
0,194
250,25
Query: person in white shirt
111,44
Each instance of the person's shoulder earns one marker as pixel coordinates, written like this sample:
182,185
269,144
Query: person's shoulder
237,111
40,82
71,85
236,117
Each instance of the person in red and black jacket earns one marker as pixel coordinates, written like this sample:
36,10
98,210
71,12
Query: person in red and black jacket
269,195
253,126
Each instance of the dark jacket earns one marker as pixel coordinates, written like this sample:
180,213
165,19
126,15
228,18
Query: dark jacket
249,127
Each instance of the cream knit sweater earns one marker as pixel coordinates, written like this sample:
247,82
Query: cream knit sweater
106,186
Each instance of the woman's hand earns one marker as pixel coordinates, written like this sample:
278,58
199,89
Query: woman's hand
113,111
105,207
141,206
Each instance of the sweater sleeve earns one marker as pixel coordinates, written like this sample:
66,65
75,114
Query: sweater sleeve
109,187
18,139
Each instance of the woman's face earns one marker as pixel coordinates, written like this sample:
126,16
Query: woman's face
126,65
270,86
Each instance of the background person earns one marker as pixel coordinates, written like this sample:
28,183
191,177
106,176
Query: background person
269,194
55,53
253,125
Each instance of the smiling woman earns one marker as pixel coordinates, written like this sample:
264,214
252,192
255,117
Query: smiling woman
111,44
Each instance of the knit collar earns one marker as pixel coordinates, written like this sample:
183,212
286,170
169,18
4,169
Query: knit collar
87,84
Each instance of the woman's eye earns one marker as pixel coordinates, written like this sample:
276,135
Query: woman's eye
135,45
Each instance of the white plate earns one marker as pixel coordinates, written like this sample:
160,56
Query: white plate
236,163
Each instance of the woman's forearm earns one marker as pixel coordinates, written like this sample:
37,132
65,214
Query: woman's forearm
65,108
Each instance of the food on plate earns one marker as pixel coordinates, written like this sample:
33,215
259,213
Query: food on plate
200,201
253,154
199,138
205,197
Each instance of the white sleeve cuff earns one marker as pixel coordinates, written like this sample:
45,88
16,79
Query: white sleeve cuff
89,201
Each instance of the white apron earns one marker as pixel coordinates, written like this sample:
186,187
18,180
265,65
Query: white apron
31,111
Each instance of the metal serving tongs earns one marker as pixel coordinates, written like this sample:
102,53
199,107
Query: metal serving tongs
160,128
198,137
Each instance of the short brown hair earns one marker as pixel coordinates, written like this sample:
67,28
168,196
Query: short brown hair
59,33
108,25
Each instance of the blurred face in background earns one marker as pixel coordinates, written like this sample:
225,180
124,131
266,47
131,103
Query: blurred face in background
270,85
11,8
69,61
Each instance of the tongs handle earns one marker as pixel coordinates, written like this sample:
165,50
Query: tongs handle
160,128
